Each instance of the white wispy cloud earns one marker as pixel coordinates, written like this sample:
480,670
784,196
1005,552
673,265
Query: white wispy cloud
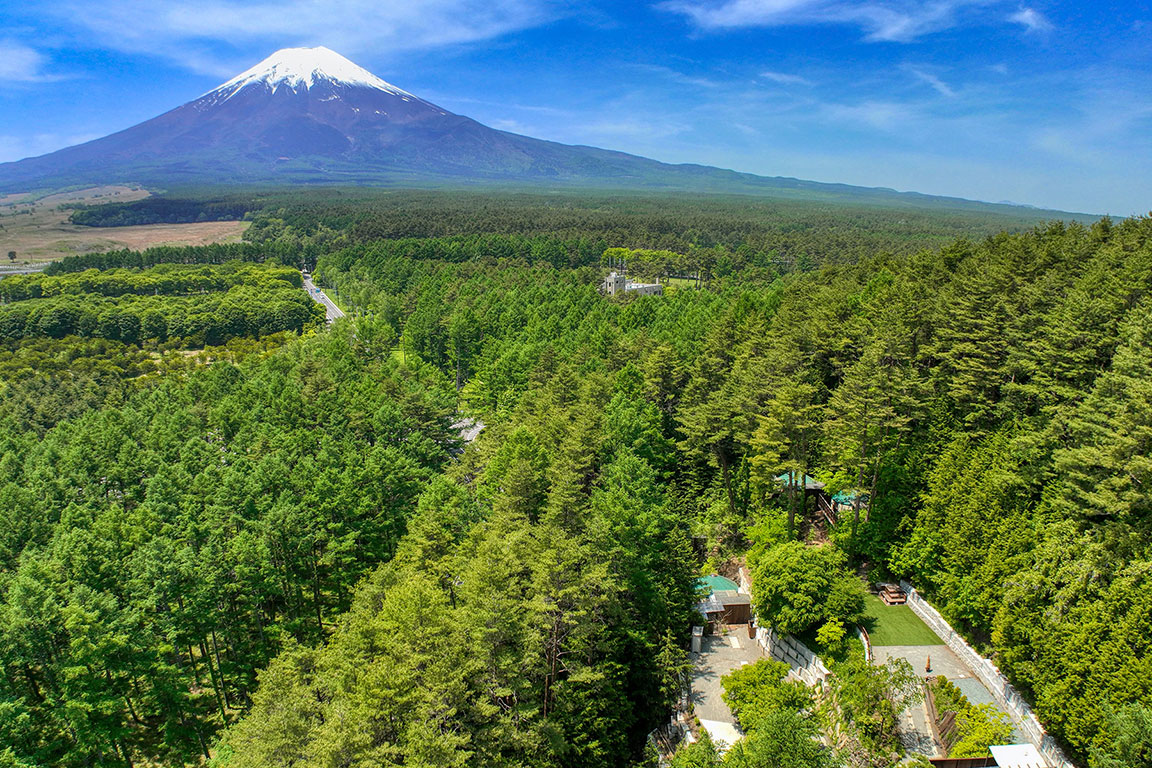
190,34
1031,19
880,20
889,116
510,124
783,78
22,64
933,81
677,76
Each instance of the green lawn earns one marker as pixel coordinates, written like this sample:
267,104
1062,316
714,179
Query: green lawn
896,625
673,284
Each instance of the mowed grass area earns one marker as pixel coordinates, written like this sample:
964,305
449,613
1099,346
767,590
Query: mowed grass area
896,625
673,284
38,230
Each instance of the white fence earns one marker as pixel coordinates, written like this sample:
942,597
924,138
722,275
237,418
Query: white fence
1006,696
866,642
794,653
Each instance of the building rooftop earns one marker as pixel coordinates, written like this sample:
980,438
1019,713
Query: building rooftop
731,597
810,483
1018,756
713,583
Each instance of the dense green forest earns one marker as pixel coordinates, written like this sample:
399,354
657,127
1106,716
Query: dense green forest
160,210
199,304
987,395
726,229
168,281
284,555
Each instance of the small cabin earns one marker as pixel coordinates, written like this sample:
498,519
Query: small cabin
811,488
831,506
725,603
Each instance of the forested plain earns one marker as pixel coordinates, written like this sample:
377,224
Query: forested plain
279,552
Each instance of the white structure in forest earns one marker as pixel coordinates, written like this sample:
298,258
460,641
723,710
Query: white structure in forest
618,283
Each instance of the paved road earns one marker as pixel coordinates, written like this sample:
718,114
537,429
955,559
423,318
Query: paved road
334,312
24,269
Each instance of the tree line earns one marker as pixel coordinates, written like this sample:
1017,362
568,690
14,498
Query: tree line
216,253
206,303
170,279
159,210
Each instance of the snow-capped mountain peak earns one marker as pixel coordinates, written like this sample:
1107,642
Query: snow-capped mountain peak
304,67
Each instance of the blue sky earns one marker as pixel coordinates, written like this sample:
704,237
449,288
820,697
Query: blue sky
1040,102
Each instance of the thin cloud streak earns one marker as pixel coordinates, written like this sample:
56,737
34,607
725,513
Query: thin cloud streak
784,78
880,20
1031,19
677,76
934,82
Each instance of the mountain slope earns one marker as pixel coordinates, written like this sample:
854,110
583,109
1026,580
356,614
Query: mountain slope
309,115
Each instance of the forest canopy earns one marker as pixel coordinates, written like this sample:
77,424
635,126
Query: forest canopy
197,304
283,553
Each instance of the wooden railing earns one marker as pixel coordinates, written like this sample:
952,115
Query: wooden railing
826,508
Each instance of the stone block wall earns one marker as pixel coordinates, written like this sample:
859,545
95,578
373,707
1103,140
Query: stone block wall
795,654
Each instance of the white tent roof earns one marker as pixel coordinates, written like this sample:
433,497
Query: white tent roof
1018,756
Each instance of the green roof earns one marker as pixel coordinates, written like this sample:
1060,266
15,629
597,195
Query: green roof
716,583
810,482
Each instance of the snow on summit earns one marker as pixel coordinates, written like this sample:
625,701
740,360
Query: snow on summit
296,67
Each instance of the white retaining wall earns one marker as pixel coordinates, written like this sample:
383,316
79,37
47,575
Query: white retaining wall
794,653
866,642
1006,696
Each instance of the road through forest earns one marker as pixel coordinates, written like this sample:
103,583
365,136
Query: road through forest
334,312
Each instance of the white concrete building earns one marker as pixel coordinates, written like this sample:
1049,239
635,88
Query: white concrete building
617,283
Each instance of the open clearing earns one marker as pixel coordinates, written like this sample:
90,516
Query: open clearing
38,230
896,625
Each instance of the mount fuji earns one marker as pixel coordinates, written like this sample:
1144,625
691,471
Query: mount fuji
311,116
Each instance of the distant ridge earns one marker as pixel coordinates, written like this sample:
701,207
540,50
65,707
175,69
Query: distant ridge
311,116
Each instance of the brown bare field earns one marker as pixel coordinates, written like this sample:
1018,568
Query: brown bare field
36,228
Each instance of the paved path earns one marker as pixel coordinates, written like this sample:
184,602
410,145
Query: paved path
719,655
944,662
468,428
915,730
333,312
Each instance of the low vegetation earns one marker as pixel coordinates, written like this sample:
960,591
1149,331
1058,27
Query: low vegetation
978,726
895,625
